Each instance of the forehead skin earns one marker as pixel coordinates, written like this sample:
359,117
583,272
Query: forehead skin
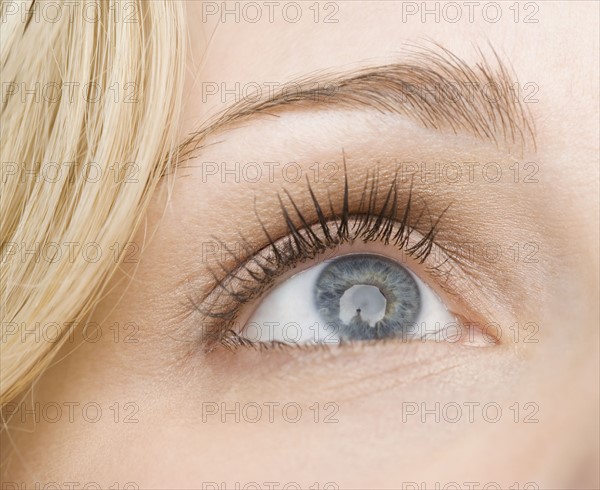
170,447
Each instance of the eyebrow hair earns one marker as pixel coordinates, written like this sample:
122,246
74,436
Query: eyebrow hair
432,86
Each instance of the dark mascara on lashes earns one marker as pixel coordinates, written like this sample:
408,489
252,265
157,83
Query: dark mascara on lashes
247,279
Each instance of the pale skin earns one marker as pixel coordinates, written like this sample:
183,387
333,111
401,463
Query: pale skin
168,382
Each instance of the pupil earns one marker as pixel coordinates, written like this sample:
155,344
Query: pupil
362,302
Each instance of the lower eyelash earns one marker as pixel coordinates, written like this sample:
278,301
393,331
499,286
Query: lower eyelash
247,280
232,341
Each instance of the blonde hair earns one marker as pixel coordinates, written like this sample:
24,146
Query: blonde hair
91,99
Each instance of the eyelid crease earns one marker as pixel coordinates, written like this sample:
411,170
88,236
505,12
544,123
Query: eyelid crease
248,277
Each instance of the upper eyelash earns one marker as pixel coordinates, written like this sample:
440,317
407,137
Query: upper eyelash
246,279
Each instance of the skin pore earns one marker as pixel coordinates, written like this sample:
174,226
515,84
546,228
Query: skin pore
165,381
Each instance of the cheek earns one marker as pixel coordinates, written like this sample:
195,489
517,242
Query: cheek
237,417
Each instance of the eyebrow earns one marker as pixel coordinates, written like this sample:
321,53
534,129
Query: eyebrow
432,87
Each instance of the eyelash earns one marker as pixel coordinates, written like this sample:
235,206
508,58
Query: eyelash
246,280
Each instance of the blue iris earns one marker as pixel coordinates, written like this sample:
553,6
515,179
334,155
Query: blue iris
366,296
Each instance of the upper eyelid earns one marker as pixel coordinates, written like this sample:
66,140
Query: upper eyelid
217,328
372,215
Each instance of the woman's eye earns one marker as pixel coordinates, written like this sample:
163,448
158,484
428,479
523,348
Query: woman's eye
353,297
